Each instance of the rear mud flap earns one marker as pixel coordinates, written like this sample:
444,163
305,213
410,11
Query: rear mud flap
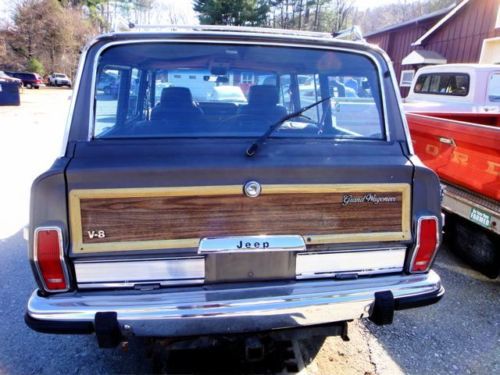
383,308
107,329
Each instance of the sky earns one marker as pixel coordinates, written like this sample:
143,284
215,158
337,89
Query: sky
185,7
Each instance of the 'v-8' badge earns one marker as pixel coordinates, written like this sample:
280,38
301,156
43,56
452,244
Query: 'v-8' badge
96,234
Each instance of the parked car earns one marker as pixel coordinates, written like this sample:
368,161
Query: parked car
108,84
4,77
58,79
451,88
161,221
29,80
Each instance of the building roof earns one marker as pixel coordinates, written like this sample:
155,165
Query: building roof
441,22
422,56
425,17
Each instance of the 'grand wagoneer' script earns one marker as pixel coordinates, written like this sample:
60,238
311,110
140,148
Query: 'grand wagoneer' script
367,198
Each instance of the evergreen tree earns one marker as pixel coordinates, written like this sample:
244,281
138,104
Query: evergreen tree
232,12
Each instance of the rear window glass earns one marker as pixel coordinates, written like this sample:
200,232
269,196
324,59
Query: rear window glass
210,90
453,84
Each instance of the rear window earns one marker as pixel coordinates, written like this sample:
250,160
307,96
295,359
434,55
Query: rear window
210,90
453,84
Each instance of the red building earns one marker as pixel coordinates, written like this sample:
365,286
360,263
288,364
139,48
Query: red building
468,32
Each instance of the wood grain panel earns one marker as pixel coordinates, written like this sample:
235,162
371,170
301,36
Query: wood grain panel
171,218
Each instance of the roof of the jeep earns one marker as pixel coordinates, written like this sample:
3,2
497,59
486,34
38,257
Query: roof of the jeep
235,33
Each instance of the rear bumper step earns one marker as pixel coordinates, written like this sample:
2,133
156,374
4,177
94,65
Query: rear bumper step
232,309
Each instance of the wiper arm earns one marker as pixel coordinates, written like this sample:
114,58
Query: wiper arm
252,149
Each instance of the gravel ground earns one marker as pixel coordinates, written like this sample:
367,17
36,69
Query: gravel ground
460,334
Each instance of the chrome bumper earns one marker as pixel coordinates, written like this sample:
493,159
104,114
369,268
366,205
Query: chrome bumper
227,309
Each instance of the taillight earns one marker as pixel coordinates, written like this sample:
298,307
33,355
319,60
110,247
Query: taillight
427,244
49,259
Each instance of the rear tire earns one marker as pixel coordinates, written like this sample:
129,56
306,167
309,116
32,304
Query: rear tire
29,86
476,245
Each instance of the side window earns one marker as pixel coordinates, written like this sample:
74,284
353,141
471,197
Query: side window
406,78
309,93
494,88
161,82
354,105
134,93
285,92
453,84
106,105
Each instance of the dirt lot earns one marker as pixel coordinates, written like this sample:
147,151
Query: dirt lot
460,334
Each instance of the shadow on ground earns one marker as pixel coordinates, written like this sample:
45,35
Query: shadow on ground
23,351
460,334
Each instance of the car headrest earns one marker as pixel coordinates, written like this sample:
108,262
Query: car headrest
263,95
176,97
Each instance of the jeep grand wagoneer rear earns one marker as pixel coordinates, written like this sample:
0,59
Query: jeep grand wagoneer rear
231,182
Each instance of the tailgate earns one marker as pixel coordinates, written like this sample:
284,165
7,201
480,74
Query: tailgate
158,205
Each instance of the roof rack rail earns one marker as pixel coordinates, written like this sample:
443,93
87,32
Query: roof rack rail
351,33
240,29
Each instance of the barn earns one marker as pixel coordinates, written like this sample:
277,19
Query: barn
468,32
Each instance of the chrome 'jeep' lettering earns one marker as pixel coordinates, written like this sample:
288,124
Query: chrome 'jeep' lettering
250,245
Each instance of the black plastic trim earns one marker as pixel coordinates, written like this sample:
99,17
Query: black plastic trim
59,327
418,301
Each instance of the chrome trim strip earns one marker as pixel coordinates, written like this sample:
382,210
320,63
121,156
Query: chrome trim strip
228,308
368,262
74,94
239,42
246,244
395,85
131,272
138,284
417,243
61,258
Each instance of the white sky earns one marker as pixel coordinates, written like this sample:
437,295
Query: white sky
185,7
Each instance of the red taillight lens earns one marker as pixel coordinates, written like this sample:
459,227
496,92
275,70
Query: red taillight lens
427,243
49,259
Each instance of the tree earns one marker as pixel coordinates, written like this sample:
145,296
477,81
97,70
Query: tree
391,14
47,32
34,65
232,12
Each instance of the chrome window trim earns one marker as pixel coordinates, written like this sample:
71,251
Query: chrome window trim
417,243
91,122
74,94
395,86
61,258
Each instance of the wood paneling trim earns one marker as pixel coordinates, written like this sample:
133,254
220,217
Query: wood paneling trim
76,196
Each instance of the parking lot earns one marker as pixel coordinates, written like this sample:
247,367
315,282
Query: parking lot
459,335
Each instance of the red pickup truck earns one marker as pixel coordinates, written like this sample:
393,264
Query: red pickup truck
464,150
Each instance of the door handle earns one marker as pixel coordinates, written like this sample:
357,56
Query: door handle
447,141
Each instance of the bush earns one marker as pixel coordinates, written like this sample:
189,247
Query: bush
35,66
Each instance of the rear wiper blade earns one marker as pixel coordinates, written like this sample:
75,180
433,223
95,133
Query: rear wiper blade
252,149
